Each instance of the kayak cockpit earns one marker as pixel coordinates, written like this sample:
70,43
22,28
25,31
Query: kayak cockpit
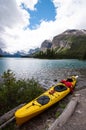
60,88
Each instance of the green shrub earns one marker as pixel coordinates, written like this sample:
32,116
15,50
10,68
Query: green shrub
57,114
14,92
62,105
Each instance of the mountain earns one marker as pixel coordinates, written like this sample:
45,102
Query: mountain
69,44
6,54
3,53
31,52
66,38
18,53
46,45
0,52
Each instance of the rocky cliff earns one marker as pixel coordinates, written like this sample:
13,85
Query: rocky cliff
47,44
65,39
69,44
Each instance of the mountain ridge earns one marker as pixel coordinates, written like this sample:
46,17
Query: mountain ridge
69,44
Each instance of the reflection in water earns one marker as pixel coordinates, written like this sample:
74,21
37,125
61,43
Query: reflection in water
45,71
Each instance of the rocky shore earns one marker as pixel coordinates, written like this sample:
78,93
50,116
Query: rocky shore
78,119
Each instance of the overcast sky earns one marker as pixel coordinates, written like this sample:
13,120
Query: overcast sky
25,24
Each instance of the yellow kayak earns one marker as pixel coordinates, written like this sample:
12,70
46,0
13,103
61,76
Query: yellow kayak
44,101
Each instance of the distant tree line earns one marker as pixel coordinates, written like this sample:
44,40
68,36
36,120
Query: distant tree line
48,54
0,55
51,54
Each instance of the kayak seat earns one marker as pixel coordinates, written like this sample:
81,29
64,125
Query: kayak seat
43,100
60,88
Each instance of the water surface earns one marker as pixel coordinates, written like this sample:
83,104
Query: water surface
45,71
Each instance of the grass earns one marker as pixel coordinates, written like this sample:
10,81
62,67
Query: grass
62,105
57,114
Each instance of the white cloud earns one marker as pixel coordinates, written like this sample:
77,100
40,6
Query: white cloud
11,15
69,14
28,3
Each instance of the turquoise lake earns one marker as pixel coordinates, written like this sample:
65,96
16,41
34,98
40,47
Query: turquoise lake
45,71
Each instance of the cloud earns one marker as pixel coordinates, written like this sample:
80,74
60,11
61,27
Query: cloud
70,14
2,43
12,18
28,3
11,15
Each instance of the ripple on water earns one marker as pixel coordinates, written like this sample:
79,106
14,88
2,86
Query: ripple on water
45,71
